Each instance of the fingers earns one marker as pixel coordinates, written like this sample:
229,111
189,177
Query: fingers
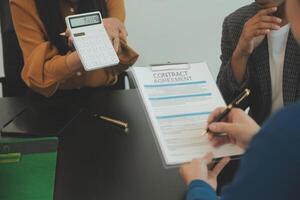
70,42
69,37
270,19
261,32
123,33
267,11
256,32
214,114
67,33
208,158
220,166
263,20
262,28
262,23
265,25
116,43
222,127
220,141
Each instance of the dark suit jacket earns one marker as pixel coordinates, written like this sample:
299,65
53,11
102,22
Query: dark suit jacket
257,77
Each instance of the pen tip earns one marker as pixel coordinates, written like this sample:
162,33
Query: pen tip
204,133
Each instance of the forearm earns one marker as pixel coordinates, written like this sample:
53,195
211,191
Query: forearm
199,190
227,82
73,61
239,65
116,9
43,70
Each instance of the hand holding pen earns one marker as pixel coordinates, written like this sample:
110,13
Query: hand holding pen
235,103
238,127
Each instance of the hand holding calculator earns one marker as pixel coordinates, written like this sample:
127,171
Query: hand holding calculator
92,41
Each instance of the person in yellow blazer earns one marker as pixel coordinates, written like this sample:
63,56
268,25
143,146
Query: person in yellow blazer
50,62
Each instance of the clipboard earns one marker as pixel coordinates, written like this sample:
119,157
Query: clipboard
159,67
170,66
141,80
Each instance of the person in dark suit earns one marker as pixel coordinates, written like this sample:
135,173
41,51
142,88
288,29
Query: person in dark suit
259,52
270,167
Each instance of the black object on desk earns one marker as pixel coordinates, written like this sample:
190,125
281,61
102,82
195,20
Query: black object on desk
43,116
9,108
39,122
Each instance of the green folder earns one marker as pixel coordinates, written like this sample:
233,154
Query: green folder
27,168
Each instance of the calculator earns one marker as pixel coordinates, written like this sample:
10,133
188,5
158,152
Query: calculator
91,41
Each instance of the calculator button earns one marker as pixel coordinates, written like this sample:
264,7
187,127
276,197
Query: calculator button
96,49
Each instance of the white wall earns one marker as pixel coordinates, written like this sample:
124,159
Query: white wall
178,30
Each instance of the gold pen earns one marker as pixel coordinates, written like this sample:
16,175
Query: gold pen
233,104
115,122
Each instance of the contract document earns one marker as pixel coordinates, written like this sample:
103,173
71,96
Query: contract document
178,100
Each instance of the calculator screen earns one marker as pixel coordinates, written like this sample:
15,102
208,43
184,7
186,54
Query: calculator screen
87,20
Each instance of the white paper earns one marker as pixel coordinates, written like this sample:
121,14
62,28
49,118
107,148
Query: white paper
178,100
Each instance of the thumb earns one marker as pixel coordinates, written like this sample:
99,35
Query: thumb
116,44
220,166
208,158
222,127
68,33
